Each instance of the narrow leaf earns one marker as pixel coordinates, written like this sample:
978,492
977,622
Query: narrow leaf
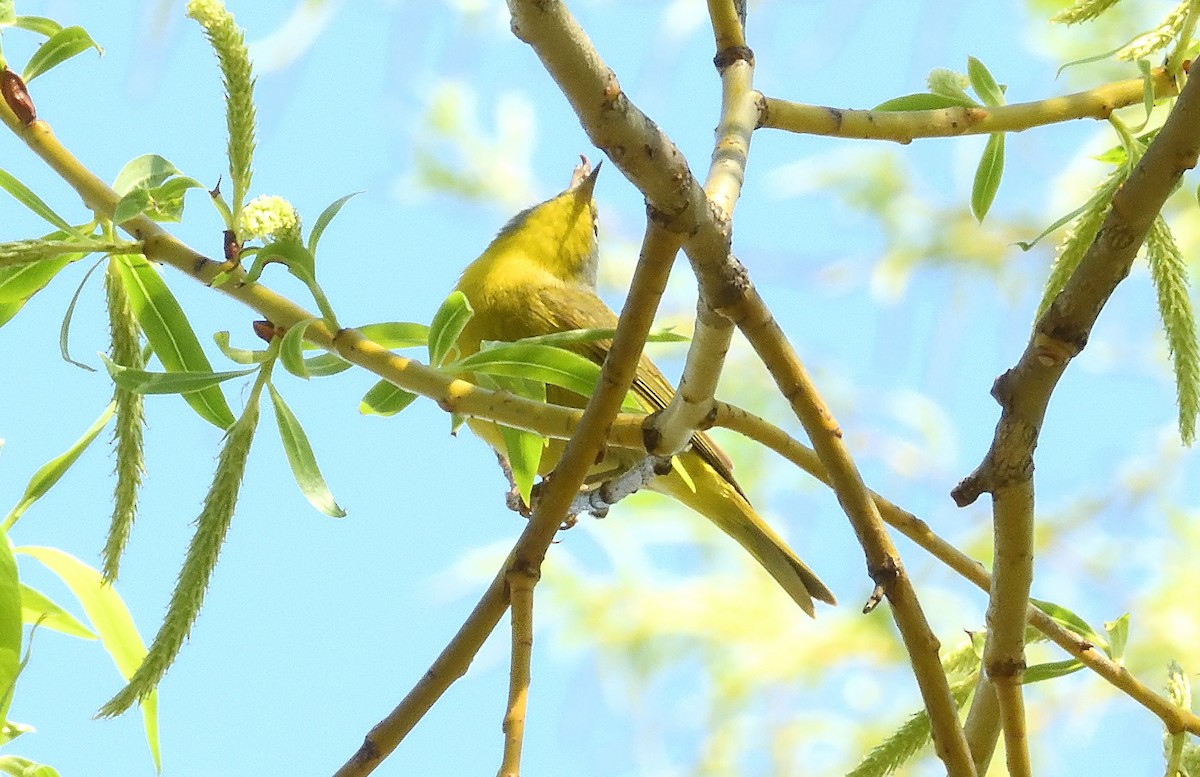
522,448
65,330
39,24
24,195
18,284
542,363
1071,622
112,622
36,607
447,325
396,334
302,460
1051,670
577,336
57,49
326,364
385,399
50,472
984,84
16,766
923,101
987,175
1118,636
291,349
323,220
237,355
10,625
170,334
145,382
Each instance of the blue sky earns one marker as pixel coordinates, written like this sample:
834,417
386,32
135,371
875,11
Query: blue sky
313,628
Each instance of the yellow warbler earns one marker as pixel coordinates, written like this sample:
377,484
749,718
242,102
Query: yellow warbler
537,277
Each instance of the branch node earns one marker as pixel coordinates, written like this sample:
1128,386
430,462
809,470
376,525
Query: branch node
732,55
884,576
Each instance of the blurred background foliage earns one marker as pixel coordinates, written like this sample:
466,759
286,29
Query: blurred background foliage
904,308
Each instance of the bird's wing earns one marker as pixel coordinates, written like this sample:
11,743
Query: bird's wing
570,308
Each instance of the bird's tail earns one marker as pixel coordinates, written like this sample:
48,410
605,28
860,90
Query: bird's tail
717,499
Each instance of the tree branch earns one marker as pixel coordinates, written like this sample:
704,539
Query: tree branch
1024,394
906,126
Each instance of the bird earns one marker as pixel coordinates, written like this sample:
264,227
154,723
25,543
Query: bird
538,277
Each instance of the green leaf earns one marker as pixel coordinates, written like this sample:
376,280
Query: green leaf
542,363
10,309
385,399
1071,622
302,460
18,284
323,220
167,201
145,382
24,195
396,334
924,101
65,330
523,449
238,355
170,334
1026,245
38,24
987,175
16,766
143,172
8,15
1118,636
10,625
984,84
57,49
152,185
291,349
326,364
290,254
36,607
447,325
52,471
1051,670
577,336
130,205
111,619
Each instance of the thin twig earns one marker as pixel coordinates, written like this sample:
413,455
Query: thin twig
712,334
1004,650
520,591
906,126
982,726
